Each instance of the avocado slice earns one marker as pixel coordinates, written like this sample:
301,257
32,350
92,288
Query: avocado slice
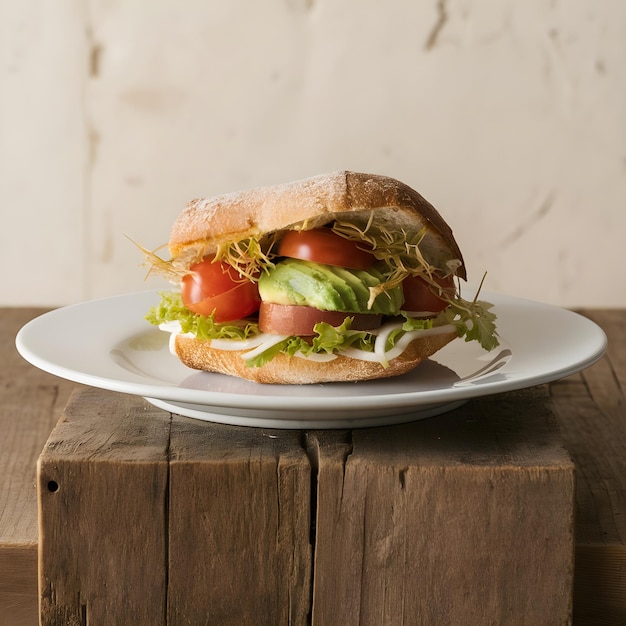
311,284
326,287
388,303
355,282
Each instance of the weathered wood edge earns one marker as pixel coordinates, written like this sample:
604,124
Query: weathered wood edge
249,490
503,439
106,497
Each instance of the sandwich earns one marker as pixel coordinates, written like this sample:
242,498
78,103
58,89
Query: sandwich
339,277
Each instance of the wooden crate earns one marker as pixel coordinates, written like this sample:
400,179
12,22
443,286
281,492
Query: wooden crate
147,518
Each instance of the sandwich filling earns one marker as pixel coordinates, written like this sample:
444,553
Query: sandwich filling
339,290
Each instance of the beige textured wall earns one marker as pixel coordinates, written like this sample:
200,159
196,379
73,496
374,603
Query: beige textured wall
509,116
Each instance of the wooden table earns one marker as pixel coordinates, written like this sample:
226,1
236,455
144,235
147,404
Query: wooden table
473,517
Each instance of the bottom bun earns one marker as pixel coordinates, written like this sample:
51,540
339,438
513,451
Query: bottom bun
287,370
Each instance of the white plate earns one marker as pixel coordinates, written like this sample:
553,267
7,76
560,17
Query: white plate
108,344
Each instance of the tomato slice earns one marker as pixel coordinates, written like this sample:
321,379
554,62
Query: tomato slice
216,288
418,295
322,245
298,320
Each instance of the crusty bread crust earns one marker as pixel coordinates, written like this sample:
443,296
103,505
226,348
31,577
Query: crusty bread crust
310,203
364,200
283,369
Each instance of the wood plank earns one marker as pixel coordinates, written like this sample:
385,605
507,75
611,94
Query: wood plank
30,405
18,585
26,413
590,409
246,558
246,490
479,501
102,486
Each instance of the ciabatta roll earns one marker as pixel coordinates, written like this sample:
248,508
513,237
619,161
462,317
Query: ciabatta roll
267,276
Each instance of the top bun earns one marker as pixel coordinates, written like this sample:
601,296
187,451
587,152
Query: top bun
310,203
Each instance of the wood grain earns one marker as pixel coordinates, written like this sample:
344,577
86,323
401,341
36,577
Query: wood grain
30,405
152,519
103,479
464,519
591,408
479,500
239,526
18,584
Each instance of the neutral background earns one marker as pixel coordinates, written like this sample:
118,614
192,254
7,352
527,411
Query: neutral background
509,116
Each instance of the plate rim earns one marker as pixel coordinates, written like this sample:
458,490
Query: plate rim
213,398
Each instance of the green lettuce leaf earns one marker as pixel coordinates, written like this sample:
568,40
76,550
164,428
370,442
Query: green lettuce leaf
328,339
415,323
410,323
331,338
475,321
289,346
172,309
